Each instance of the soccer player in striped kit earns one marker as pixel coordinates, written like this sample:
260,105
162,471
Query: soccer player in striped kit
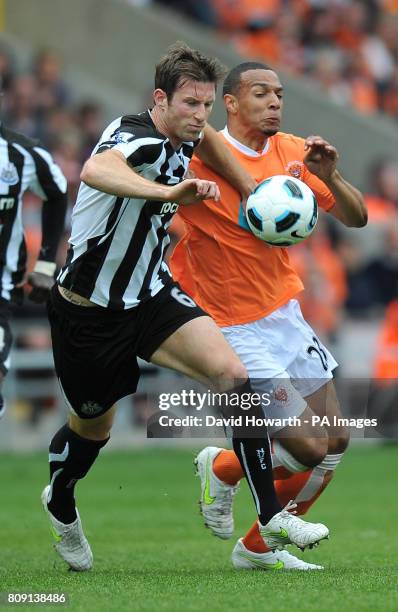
25,165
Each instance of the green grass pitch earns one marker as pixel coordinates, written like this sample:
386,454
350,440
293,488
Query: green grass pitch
140,513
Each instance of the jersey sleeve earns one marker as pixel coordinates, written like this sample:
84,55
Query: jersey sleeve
47,180
49,183
294,147
323,195
139,146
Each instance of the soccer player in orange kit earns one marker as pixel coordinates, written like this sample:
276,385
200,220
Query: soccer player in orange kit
249,289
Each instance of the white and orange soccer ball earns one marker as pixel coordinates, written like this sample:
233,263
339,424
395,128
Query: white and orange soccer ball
282,211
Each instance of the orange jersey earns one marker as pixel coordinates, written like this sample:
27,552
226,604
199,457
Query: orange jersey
233,275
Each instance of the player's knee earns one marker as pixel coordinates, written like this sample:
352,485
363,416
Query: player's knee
229,374
338,444
312,451
92,429
91,432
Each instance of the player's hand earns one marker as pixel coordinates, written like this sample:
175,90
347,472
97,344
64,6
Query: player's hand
321,158
194,190
41,279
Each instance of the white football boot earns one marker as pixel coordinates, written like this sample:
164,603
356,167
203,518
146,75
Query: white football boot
286,528
71,543
216,497
245,559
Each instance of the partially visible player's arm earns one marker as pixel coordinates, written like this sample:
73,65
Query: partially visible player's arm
350,207
109,172
49,183
321,160
215,154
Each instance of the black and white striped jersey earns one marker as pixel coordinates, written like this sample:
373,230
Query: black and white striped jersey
117,244
23,165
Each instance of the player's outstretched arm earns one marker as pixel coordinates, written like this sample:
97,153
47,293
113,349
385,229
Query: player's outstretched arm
215,154
321,160
109,172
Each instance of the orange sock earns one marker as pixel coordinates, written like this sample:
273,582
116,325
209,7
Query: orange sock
253,540
293,486
288,486
281,473
286,490
227,468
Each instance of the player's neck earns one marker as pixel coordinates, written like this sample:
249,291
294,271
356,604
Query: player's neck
162,127
255,141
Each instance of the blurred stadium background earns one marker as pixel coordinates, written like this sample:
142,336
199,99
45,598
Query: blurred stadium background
67,68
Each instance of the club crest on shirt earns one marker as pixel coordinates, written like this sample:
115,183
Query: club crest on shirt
295,168
122,137
9,174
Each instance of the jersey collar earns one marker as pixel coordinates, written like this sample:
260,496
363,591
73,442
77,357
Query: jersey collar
241,147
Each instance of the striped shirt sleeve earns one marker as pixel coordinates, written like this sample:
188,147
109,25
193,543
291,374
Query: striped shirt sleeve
138,148
48,181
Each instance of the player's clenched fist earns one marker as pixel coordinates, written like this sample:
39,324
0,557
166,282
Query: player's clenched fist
194,190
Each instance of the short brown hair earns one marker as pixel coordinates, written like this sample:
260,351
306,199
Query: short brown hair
181,63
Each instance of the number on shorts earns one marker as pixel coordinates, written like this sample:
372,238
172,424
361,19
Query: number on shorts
320,352
183,298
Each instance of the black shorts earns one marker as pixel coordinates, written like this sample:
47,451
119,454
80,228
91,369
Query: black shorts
95,349
5,335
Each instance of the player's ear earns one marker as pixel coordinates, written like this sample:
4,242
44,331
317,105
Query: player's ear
231,104
160,99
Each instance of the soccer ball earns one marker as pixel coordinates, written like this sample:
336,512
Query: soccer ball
282,211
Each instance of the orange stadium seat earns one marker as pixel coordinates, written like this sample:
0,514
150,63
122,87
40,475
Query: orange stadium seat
237,14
